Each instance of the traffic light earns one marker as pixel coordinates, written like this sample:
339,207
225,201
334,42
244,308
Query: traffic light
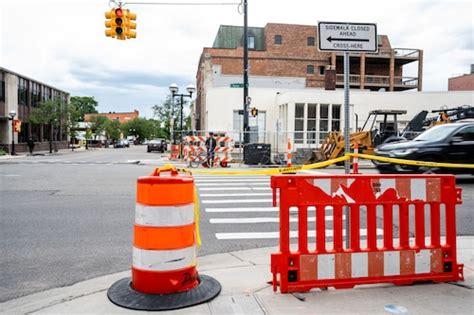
17,125
129,25
114,23
254,112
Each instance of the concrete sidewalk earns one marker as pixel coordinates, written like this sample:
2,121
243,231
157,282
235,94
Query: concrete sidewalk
244,276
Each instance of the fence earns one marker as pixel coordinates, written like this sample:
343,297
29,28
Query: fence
374,254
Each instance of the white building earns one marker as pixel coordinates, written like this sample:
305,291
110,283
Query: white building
306,115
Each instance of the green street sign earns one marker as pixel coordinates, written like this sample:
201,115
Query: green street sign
236,85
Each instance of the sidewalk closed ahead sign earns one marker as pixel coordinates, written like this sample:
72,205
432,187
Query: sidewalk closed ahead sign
345,36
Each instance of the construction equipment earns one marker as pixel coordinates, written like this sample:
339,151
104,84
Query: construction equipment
420,122
367,138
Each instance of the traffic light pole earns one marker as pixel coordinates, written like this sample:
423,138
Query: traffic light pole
246,77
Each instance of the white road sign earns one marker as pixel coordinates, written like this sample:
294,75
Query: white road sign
345,36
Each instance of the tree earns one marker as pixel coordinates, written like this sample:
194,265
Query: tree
54,113
168,111
112,130
141,128
98,124
84,105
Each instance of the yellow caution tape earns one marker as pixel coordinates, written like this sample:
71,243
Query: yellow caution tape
271,171
196,217
410,162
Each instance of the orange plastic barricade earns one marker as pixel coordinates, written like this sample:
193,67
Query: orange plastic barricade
164,274
376,204
174,152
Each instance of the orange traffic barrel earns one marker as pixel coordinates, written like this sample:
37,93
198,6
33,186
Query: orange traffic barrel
164,247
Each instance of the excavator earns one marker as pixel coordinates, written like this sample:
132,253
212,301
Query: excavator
370,137
367,138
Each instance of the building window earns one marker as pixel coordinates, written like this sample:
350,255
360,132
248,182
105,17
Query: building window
311,127
251,42
2,87
257,126
22,91
321,70
278,39
309,69
323,121
310,41
336,118
299,123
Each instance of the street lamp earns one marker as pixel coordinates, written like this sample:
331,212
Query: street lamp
12,115
174,91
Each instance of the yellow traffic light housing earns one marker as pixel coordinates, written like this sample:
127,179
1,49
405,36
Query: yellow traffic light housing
115,23
254,112
129,25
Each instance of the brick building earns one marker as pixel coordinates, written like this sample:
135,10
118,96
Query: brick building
464,82
121,117
286,56
21,94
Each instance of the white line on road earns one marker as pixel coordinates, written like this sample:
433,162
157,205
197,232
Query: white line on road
258,209
231,184
237,195
261,220
233,188
232,180
269,235
237,201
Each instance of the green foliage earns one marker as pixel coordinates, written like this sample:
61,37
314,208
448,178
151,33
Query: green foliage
167,111
88,134
84,105
141,128
98,124
112,129
55,113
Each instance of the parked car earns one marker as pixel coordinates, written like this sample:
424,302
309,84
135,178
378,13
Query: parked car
126,143
450,143
157,145
120,144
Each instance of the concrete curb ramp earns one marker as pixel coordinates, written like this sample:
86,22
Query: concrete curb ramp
244,276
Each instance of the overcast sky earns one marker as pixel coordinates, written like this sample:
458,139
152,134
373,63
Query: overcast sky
62,42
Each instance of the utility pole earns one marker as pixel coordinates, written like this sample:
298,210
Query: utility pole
246,78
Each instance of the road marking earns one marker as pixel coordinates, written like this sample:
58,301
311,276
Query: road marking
258,209
276,235
261,220
233,188
237,195
233,180
9,175
231,184
237,201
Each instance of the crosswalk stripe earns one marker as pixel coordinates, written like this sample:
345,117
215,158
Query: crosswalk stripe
231,184
234,180
237,195
232,188
237,201
275,235
259,209
262,220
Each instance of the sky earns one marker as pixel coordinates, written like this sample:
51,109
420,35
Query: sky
62,42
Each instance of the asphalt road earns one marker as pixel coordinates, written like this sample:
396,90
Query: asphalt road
69,217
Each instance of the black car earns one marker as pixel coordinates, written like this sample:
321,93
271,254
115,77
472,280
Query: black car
157,145
449,143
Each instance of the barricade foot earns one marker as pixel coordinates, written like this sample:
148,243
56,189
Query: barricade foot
122,294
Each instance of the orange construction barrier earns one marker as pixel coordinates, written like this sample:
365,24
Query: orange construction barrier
164,247
288,154
174,155
377,204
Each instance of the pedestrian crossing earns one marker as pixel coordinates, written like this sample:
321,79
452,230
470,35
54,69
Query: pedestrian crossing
240,208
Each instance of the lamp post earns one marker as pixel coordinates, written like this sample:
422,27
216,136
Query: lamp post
174,91
12,115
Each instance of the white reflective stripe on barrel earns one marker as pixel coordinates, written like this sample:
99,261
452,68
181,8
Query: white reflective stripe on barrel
164,260
164,215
